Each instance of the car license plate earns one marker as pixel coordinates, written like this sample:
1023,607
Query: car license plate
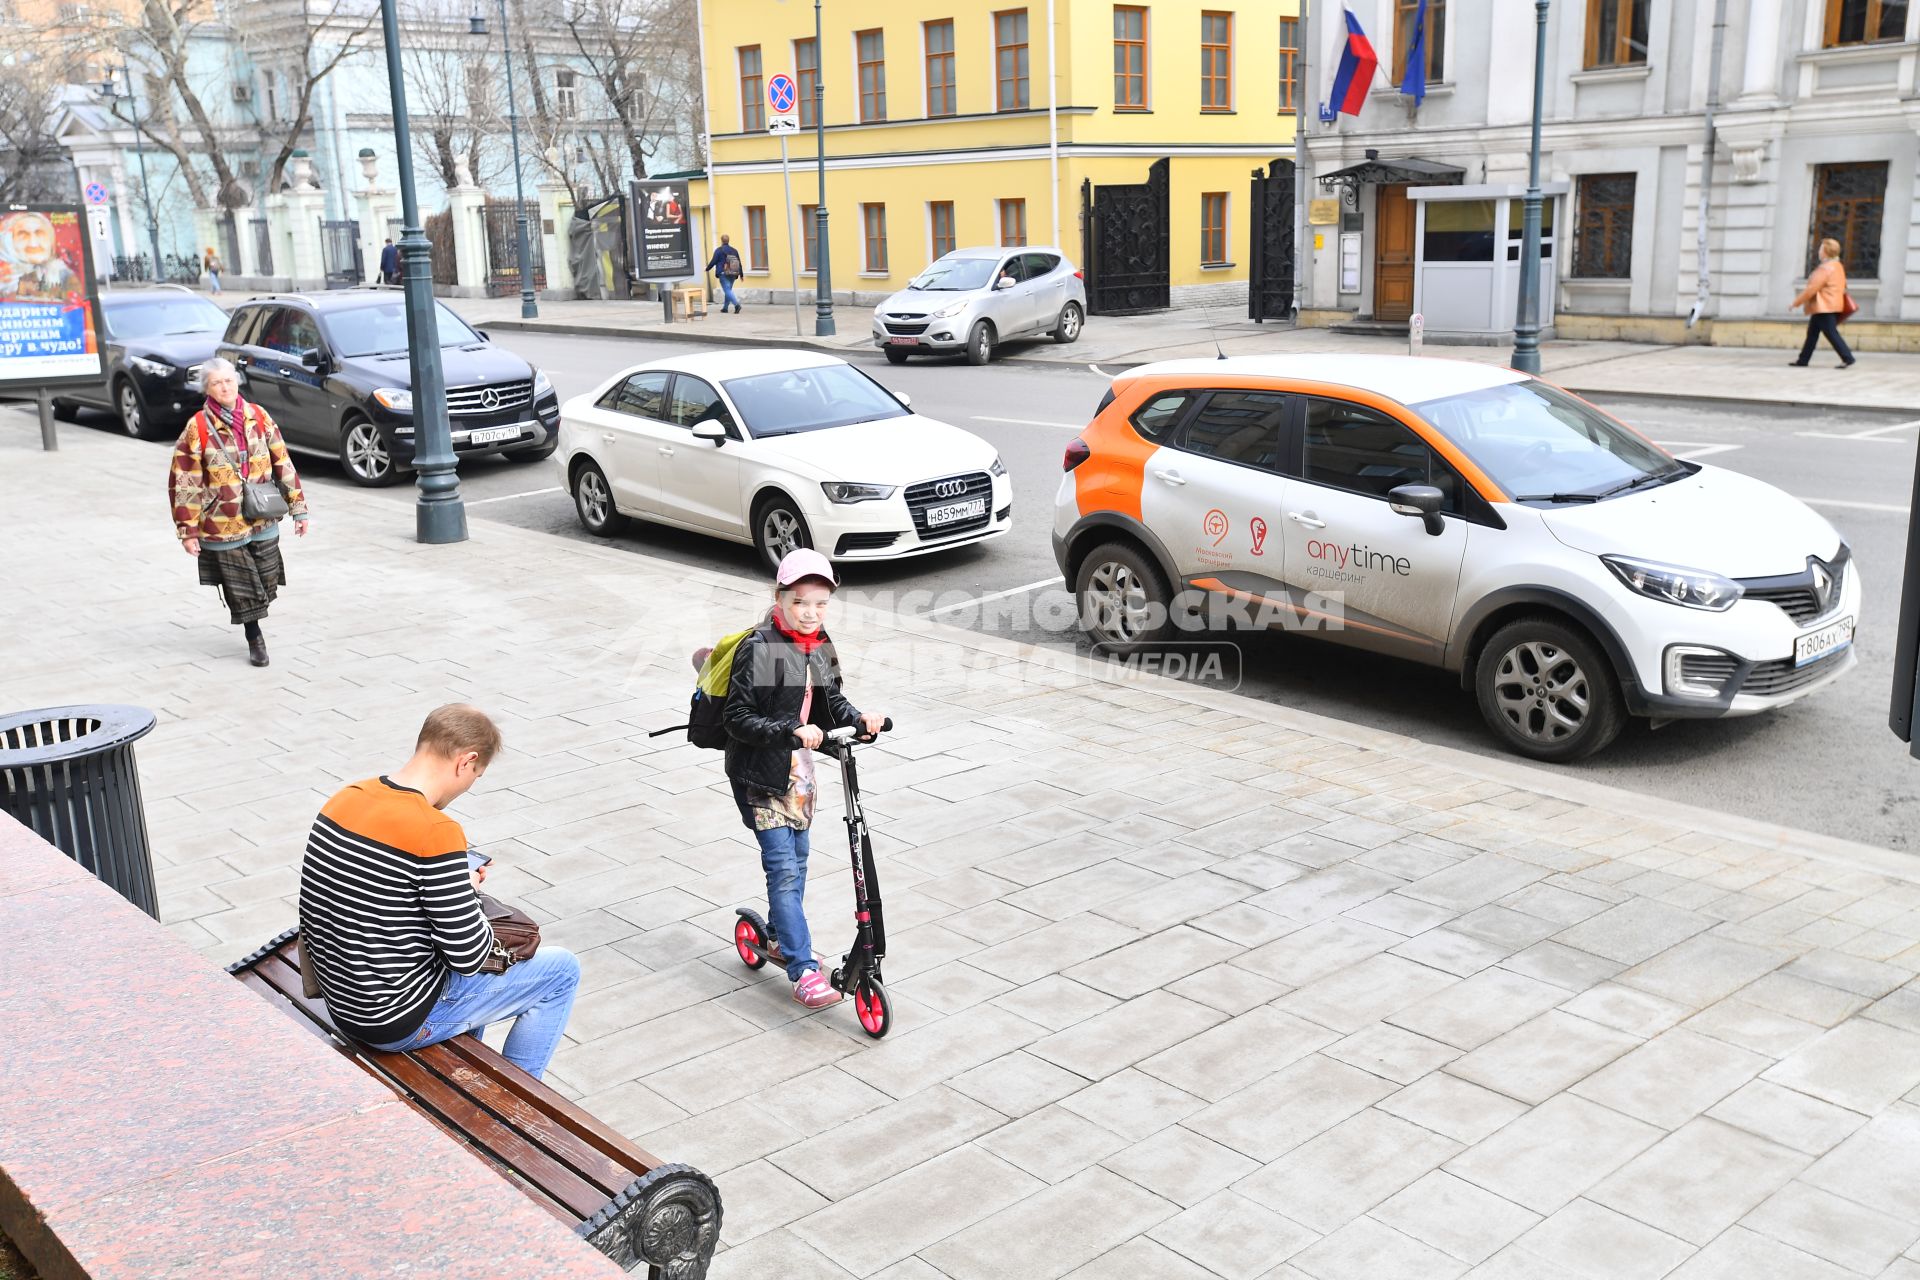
954,512
1823,643
903,342
493,435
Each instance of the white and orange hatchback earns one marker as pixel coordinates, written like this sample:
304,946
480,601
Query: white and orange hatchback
1459,514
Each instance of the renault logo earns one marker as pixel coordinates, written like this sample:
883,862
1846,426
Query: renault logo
949,488
489,398
1822,584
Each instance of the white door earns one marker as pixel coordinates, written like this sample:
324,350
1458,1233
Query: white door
1049,285
699,479
1213,491
629,427
1395,582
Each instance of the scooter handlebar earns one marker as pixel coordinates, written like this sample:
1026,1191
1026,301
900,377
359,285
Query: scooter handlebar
850,733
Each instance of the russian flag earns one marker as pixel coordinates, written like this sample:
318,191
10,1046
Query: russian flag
1357,65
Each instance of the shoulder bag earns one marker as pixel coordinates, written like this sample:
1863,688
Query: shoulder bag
259,499
1847,307
516,935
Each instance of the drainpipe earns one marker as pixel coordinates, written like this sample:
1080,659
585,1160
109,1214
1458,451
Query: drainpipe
1053,124
1302,247
1706,161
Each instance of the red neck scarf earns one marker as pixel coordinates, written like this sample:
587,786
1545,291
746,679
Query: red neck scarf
234,420
804,643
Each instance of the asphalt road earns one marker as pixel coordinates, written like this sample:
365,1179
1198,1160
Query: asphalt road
1826,764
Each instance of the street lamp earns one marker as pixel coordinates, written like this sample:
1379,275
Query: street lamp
111,93
477,25
823,277
439,514
1526,329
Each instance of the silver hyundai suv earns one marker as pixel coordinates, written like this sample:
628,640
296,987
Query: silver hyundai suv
975,299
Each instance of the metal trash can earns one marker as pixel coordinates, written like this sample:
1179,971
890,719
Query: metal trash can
68,774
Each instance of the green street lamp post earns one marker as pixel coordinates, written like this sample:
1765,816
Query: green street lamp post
477,25
439,514
1526,329
823,278
112,94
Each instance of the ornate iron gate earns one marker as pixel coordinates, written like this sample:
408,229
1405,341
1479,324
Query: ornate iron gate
263,246
340,253
1124,242
1270,281
503,248
229,240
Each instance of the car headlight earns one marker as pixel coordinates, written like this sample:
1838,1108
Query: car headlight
844,491
398,399
1692,588
542,385
998,468
951,310
152,368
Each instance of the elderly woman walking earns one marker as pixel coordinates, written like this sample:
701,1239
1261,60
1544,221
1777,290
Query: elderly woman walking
230,485
1825,299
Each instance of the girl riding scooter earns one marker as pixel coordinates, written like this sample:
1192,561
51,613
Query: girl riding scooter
785,688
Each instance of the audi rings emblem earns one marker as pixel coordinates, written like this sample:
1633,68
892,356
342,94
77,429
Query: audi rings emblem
489,398
949,488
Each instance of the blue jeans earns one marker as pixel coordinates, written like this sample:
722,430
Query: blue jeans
783,856
726,293
537,994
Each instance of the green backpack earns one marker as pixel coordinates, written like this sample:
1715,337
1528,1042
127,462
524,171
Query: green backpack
704,725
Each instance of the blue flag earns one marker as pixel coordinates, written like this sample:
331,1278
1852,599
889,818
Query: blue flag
1413,78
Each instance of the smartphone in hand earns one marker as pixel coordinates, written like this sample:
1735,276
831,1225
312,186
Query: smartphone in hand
478,861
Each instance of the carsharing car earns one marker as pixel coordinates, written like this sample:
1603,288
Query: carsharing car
1456,514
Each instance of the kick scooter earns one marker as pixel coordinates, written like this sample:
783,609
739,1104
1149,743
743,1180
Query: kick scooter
858,973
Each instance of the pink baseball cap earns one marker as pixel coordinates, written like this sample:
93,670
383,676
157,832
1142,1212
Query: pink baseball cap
804,562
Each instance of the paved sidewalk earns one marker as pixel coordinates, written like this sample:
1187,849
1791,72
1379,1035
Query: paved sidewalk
1882,381
1188,985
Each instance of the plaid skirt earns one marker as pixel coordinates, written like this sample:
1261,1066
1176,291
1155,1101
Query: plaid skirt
248,576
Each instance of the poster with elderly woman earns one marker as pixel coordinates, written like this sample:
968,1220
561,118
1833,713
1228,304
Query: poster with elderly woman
48,303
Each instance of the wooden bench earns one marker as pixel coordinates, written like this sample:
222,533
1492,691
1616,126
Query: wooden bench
618,1198
687,297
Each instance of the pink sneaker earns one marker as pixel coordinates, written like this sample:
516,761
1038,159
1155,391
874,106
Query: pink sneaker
814,991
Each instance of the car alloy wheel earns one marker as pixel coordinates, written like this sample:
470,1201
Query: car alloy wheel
595,503
1123,599
1548,690
364,450
132,420
1069,327
781,531
1542,692
980,343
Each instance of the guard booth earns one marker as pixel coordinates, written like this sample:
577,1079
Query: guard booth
1467,259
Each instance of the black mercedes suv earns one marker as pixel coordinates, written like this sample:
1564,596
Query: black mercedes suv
156,338
332,369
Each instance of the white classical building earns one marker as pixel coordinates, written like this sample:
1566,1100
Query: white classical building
1817,124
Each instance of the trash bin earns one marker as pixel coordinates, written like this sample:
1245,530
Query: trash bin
68,774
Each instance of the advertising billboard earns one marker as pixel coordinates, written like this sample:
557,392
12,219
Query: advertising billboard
663,227
49,302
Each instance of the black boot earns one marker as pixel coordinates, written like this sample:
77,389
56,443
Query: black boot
256,645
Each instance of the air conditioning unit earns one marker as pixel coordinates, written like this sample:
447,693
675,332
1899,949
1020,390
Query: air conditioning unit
243,93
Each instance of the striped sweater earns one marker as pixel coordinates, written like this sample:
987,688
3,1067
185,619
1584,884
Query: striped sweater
387,909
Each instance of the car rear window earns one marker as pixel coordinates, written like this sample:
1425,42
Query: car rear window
1242,427
164,316
376,330
1157,417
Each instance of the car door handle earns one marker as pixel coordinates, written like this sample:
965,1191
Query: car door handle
666,451
1306,518
607,436
1171,477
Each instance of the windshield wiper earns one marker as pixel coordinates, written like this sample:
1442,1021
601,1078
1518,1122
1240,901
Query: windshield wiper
1639,480
1558,497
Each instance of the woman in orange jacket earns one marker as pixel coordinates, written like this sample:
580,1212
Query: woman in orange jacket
1825,297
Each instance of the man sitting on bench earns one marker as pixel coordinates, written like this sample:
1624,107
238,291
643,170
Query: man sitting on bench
390,921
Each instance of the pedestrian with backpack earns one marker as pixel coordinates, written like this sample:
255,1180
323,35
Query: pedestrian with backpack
783,696
725,263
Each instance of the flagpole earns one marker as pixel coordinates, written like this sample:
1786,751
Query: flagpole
1526,329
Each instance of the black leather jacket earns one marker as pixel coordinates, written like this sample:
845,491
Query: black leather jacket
763,706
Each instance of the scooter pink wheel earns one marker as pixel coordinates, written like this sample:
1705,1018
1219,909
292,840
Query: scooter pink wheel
871,1006
746,937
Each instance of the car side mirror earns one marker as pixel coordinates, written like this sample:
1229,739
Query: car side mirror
1421,500
1004,282
313,358
906,401
710,429
484,335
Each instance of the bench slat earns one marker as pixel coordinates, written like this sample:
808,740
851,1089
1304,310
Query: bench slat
615,1145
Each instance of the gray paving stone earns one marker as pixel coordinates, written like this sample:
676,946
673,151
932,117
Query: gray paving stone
885,1141
919,1059
1175,901
1049,950
1788,1117
1308,954
1055,1002
1114,1040
1624,1009
1399,913
994,922
1133,1103
1554,1153
1540,1058
1751,1027
1800,998
1016,1084
1566,967
1740,1254
1320,895
1178,1164
1481,879
760,1198
1452,952
1051,1232
1228,988
1389,1052
1586,1239
1878,1166
1455,1217
1362,833
1233,1237
1365,992
1672,1078
900,1217
1555,904
777,1253
1142,1257
1475,1010
1154,961
1087,889
632,1108
715,1079
1248,926
1330,1180
1699,1180
1461,1111
1510,929
1052,1143
819,1100
1634,931
1860,1065
1278,1113
1703,969
1366,1249
1225,1059
1831,1228
653,1046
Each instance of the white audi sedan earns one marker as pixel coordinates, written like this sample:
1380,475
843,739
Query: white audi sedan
781,449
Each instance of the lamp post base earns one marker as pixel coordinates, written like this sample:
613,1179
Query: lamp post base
439,523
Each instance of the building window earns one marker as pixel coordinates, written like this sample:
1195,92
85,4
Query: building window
1865,21
1289,63
1216,62
1013,223
873,237
1849,205
1603,227
1404,13
1616,33
756,237
938,38
806,65
753,98
566,94
809,236
872,47
1129,58
1462,230
1213,229
940,216
1010,60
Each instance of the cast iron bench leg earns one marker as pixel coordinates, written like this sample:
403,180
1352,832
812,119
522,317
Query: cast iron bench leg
669,1220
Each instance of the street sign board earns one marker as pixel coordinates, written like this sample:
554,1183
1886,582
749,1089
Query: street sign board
783,105
49,301
662,215
96,193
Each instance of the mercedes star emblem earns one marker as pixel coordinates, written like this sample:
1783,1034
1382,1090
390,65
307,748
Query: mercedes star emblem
489,398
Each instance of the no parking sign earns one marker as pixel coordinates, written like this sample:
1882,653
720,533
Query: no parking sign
783,105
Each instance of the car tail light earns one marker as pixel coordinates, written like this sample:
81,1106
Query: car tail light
1079,275
1077,453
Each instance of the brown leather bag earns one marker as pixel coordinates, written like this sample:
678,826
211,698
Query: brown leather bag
516,935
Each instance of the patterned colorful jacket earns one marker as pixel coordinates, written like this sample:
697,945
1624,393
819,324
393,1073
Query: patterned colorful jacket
204,490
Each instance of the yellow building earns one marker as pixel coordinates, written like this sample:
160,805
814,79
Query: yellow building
941,133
